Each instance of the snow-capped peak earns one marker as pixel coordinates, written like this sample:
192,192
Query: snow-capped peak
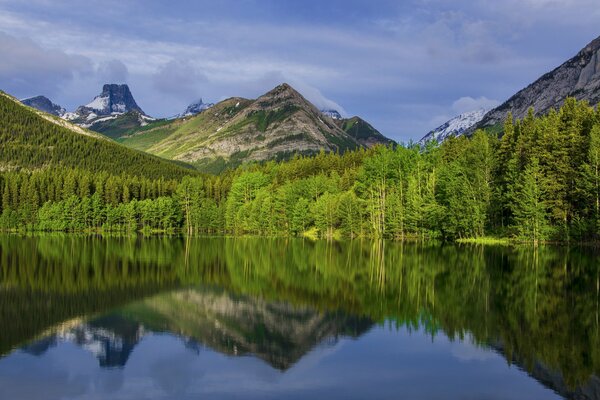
113,99
456,126
194,108
331,113
100,103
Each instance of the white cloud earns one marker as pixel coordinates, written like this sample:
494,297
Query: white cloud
178,79
112,71
467,103
28,69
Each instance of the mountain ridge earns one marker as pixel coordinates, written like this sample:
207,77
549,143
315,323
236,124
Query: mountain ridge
455,126
578,77
276,125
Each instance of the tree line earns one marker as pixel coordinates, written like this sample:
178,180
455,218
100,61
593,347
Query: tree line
539,180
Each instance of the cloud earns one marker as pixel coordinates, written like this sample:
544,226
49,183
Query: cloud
315,96
467,103
396,64
112,71
178,79
29,69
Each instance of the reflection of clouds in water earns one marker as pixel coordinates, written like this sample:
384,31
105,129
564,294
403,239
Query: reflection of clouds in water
174,373
316,356
164,367
109,381
27,378
467,350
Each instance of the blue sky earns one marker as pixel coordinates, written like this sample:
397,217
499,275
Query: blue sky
405,66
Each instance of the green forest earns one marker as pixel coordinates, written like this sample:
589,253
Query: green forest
537,181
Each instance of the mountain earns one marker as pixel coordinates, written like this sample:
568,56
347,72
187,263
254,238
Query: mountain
194,108
114,99
276,332
579,77
361,131
455,127
118,125
278,124
32,139
114,112
333,114
44,104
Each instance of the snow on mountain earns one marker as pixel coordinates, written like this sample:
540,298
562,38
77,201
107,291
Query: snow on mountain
194,108
333,114
114,100
99,103
455,127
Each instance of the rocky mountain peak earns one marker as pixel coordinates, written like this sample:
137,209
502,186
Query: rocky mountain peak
114,98
282,94
195,108
578,77
331,113
44,104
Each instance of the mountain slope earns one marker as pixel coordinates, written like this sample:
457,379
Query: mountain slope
455,127
362,131
579,77
115,126
30,139
274,126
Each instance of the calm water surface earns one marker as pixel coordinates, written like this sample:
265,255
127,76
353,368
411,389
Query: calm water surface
173,318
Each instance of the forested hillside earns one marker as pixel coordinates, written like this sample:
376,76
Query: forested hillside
28,141
539,181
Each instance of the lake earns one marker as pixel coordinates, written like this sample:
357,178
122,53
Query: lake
184,318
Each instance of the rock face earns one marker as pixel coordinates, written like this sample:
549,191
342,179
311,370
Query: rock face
579,77
454,127
195,108
44,104
278,124
113,101
112,113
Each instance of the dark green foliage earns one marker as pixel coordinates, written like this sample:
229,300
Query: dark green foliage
360,129
28,141
540,181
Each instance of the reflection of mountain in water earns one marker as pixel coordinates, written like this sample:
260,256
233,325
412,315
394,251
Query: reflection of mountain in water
111,339
550,378
278,333
541,303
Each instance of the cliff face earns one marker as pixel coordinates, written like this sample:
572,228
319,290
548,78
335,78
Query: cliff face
579,77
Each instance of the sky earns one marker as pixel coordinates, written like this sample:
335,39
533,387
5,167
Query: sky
404,66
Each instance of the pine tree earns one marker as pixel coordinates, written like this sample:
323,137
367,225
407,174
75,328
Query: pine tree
529,208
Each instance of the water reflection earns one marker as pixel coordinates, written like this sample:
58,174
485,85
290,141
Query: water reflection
278,300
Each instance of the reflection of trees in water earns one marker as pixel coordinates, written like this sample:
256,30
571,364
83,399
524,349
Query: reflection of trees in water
541,304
